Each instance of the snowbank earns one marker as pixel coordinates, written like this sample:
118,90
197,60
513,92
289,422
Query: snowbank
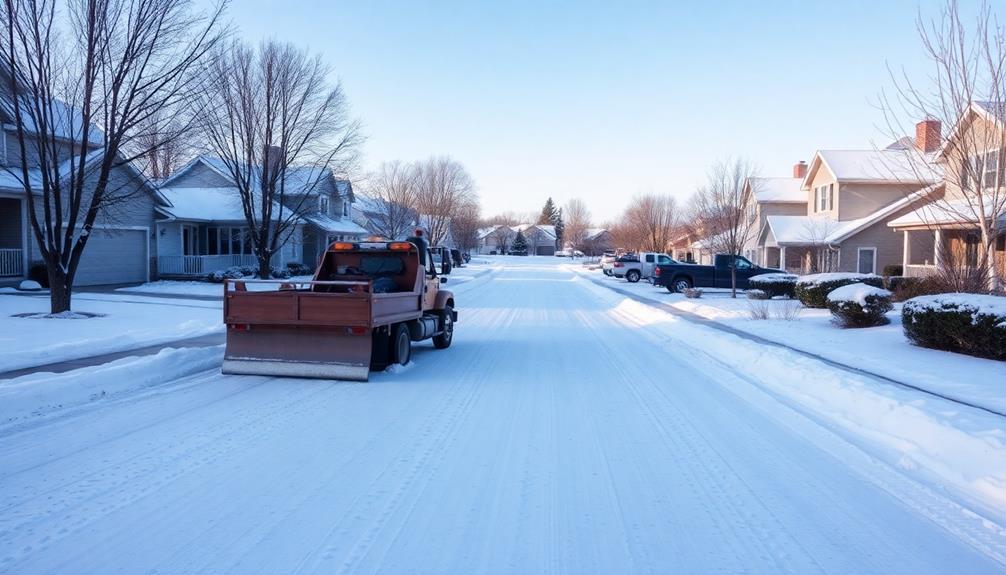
41,393
926,437
856,293
815,279
125,323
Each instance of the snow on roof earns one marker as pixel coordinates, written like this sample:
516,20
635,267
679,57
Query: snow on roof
546,229
299,180
778,190
941,212
593,233
208,204
334,226
890,165
67,121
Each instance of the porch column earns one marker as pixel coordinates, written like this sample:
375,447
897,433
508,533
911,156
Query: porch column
937,243
782,258
906,254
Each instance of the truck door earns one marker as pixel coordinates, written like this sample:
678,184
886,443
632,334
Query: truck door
648,263
431,283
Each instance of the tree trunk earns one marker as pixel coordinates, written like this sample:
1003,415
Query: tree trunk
733,280
264,267
60,290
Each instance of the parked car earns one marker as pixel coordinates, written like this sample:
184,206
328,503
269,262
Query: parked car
641,266
562,254
678,277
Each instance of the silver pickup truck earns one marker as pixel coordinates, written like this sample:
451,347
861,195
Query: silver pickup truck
635,267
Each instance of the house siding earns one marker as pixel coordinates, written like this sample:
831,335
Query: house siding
860,200
889,244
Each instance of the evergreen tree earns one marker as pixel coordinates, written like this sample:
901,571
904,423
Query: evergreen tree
560,229
548,213
519,244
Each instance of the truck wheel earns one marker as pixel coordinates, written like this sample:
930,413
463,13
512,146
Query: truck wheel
401,344
681,284
443,341
632,277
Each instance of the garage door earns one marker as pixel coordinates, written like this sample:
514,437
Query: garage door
113,257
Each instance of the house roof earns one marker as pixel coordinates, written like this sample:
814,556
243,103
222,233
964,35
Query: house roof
803,230
778,190
67,122
593,233
892,165
207,205
993,110
299,180
334,226
941,213
548,230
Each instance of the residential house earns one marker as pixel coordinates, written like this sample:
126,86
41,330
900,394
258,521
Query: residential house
973,160
541,238
494,239
851,196
122,242
596,241
773,197
372,214
204,229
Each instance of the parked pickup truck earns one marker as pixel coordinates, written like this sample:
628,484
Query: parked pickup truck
639,266
679,277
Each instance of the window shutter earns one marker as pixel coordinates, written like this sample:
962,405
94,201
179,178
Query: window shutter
831,196
817,192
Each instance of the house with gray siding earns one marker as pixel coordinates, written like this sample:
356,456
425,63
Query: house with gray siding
123,240
203,229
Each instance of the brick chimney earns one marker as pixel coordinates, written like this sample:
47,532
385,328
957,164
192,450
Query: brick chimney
800,169
927,135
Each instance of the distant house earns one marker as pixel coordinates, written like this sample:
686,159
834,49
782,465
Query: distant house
373,214
203,227
494,239
596,241
541,238
851,195
122,241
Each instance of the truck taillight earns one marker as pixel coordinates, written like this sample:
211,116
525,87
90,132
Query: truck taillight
239,326
656,272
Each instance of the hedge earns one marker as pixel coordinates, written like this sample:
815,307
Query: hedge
963,323
860,305
774,284
812,290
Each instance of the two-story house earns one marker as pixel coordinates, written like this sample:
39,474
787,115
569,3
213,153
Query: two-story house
122,242
204,229
851,195
772,197
973,163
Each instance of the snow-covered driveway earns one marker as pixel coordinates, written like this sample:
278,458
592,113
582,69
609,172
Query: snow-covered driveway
550,438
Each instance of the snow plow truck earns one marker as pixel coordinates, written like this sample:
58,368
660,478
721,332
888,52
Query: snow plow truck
367,303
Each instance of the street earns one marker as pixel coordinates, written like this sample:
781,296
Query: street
551,437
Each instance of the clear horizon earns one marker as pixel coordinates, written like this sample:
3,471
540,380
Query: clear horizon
604,102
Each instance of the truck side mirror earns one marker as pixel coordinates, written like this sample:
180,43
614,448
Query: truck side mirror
443,280
445,267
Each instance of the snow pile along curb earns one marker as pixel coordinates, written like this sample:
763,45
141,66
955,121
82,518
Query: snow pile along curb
41,393
936,441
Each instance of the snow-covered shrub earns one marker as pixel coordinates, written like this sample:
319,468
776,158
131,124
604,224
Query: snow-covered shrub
860,305
29,285
246,271
693,293
812,290
757,294
774,284
906,288
963,323
232,273
280,273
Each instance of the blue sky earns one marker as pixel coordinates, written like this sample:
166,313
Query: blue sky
604,100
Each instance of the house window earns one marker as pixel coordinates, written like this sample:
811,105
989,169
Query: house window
984,168
867,260
227,241
323,204
824,198
345,209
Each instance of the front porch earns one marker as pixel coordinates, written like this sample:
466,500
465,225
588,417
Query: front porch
12,240
189,250
926,251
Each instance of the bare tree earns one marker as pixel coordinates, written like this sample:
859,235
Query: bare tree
82,79
577,223
281,129
648,223
963,100
465,227
168,145
821,257
725,212
444,189
502,236
394,188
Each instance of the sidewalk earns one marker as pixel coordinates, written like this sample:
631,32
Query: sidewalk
96,360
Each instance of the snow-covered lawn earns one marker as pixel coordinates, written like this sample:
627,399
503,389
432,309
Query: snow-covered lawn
882,350
126,323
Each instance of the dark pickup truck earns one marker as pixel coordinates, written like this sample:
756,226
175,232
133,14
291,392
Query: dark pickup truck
678,277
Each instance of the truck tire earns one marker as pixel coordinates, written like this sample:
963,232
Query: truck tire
443,341
401,344
632,276
680,284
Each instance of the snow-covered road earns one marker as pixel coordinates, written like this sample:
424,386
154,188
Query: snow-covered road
552,437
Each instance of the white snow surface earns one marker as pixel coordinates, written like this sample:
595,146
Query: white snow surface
783,190
976,304
773,277
568,429
856,293
815,279
125,323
